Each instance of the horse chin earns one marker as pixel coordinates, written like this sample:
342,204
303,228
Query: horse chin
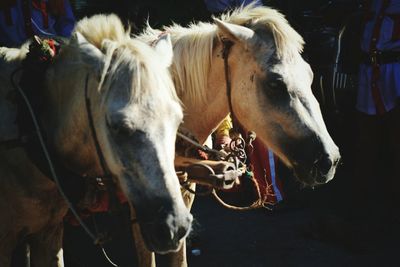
311,177
165,231
154,244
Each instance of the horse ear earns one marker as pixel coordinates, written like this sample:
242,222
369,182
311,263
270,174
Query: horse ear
89,53
235,32
163,47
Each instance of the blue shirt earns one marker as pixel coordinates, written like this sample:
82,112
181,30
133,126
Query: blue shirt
388,40
216,6
14,34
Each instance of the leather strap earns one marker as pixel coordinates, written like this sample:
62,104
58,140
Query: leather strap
376,94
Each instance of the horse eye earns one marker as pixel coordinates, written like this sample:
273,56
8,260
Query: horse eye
276,84
120,128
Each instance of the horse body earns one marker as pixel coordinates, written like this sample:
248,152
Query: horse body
270,88
135,114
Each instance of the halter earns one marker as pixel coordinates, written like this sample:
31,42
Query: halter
238,155
38,58
226,48
106,180
47,165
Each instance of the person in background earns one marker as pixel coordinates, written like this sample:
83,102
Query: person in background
376,182
372,206
22,19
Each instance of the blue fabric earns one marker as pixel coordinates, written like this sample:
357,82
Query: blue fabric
389,81
14,35
216,6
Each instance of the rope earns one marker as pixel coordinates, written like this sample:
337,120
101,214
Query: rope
107,257
259,203
93,130
96,240
101,247
236,146
218,153
255,205
48,159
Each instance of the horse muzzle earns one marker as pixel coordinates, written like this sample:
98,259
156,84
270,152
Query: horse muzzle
167,232
320,171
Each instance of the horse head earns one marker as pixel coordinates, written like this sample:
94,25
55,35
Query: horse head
135,114
271,90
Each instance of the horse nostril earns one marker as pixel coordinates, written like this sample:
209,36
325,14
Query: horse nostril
182,231
163,232
324,165
184,228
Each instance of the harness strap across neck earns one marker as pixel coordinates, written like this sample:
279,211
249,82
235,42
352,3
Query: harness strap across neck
99,152
227,45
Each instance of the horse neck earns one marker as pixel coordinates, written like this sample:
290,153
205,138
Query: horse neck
65,120
205,105
202,118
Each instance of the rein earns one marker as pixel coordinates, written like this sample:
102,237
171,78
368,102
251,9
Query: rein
227,45
100,154
106,179
98,239
238,155
49,160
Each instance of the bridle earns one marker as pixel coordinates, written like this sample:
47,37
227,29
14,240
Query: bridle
238,146
106,179
226,48
106,176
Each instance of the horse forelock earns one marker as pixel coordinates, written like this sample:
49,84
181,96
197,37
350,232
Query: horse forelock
99,27
107,33
287,40
193,47
138,61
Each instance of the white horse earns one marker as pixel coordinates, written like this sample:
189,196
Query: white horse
135,115
270,90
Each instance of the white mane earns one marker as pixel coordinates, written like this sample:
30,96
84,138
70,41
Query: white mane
107,33
193,45
287,40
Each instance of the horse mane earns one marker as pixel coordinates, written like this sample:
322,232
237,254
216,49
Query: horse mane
99,27
287,40
107,33
193,45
